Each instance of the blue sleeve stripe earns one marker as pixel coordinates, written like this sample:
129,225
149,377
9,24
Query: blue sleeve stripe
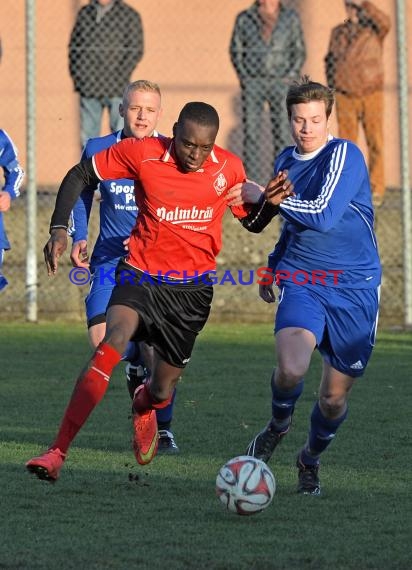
317,206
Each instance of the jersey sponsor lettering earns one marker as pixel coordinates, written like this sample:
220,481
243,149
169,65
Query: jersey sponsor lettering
181,215
128,208
126,189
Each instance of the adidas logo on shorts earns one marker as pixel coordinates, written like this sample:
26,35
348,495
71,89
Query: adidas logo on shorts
357,365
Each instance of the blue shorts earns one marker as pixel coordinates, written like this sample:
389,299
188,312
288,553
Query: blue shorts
101,286
344,322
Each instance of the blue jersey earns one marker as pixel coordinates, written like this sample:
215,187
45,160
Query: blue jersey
328,229
13,177
118,208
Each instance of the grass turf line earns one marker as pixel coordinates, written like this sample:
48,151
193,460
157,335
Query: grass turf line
106,512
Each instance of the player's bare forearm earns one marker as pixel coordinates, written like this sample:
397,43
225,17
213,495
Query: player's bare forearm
279,188
54,249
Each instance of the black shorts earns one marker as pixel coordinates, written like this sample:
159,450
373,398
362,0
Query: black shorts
171,314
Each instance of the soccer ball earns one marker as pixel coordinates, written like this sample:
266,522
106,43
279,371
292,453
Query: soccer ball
245,485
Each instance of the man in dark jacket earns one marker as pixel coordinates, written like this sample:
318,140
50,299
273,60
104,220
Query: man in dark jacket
106,44
267,50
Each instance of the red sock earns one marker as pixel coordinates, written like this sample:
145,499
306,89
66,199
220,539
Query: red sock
144,400
89,390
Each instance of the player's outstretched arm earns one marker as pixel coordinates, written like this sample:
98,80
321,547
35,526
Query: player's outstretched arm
54,249
76,180
261,213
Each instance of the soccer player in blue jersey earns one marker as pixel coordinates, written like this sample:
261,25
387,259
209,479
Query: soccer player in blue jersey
13,177
141,110
326,265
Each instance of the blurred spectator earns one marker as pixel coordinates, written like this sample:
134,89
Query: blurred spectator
13,177
354,68
267,50
106,44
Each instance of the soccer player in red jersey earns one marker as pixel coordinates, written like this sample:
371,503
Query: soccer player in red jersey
163,293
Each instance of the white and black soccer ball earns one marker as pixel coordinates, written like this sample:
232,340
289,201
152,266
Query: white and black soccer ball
245,485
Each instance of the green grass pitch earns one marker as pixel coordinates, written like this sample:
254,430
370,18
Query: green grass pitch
106,512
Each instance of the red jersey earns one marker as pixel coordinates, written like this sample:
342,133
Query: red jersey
179,225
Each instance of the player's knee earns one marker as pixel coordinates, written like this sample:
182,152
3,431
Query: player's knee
332,406
118,338
289,374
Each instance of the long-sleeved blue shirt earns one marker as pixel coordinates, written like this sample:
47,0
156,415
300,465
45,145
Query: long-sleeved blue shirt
118,208
329,223
13,178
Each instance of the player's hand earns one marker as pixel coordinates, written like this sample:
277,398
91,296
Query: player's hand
244,192
78,255
5,201
126,244
279,188
54,248
234,195
267,294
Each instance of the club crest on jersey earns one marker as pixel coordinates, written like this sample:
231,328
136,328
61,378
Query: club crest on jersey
220,184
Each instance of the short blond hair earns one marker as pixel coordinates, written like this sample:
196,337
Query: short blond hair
140,85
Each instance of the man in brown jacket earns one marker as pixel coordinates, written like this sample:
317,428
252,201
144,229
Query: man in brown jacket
354,68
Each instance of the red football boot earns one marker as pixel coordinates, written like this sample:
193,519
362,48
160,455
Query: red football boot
145,437
48,465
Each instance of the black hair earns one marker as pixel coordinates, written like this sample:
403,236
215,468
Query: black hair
200,113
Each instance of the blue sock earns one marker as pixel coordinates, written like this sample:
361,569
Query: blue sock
322,432
165,415
283,405
132,353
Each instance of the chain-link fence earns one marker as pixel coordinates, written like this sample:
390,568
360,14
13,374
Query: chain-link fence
231,54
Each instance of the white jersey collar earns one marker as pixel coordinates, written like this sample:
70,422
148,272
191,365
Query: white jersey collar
310,155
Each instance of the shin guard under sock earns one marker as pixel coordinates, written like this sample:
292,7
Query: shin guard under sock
89,390
283,405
